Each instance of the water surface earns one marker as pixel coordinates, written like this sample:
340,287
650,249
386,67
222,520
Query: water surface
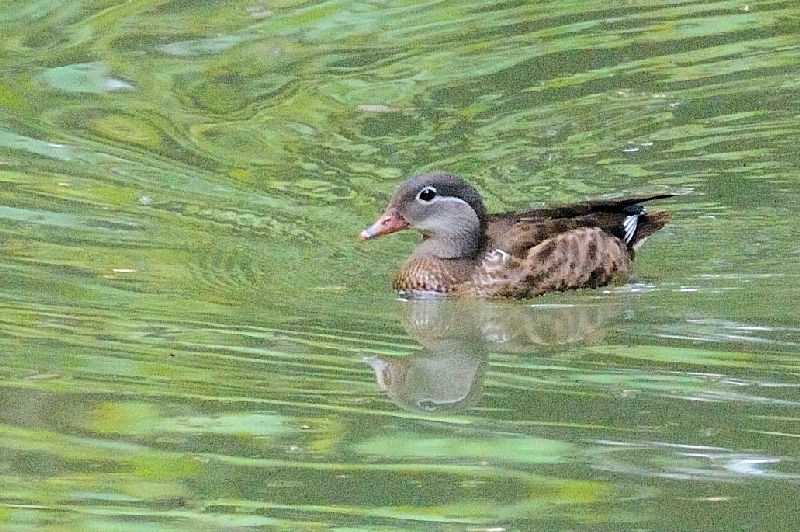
192,338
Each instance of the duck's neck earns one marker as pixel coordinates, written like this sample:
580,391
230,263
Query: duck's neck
458,241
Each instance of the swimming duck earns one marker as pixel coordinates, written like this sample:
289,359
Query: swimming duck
464,250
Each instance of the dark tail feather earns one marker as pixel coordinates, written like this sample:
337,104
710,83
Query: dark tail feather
633,201
627,205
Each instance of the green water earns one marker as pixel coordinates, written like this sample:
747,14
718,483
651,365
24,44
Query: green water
188,325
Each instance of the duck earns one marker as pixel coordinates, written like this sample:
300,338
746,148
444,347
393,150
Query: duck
466,251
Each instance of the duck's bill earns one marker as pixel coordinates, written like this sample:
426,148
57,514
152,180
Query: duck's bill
390,222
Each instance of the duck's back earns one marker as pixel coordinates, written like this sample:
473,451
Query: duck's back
580,246
517,232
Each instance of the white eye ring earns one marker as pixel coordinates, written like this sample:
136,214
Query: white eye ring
426,195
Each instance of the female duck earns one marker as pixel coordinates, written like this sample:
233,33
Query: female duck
525,254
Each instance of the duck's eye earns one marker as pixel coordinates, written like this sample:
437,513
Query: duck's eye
427,194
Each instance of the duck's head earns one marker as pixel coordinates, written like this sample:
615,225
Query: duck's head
446,209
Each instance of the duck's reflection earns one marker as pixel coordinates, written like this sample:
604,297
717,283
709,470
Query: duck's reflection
456,335
447,375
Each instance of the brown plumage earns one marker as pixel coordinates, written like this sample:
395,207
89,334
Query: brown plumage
466,251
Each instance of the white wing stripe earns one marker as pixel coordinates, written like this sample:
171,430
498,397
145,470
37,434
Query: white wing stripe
630,224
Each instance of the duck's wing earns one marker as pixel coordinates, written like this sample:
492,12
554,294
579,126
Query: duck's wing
626,219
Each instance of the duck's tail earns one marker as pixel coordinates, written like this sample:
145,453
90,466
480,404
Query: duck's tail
647,224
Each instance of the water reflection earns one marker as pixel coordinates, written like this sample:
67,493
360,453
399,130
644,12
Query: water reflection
687,462
456,336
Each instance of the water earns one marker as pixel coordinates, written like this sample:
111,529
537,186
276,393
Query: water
192,338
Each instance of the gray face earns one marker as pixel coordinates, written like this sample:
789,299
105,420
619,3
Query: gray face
440,204
446,209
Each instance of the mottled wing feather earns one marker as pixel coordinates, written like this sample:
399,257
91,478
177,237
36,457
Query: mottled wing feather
519,237
587,257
